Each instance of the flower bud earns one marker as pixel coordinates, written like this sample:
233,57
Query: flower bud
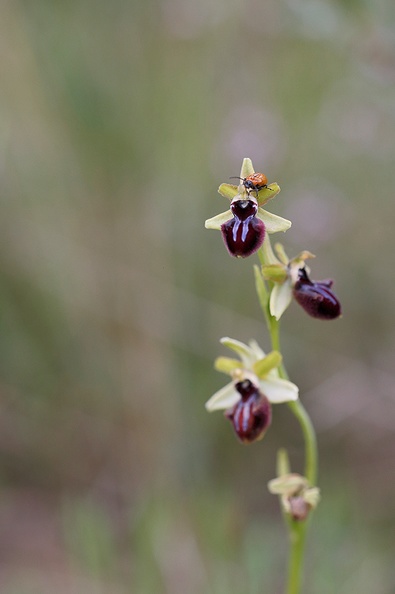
316,297
298,508
244,234
296,496
252,415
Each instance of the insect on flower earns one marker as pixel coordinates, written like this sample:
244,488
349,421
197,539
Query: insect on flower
245,223
255,182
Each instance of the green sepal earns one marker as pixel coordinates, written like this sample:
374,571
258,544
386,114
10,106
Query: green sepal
262,367
282,463
273,223
228,191
288,484
227,364
218,220
275,273
246,168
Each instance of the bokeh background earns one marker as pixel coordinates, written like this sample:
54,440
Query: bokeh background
118,121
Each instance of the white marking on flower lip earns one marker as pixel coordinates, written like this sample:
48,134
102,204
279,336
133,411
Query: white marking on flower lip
247,412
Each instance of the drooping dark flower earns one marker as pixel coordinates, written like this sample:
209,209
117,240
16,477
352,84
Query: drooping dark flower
244,225
291,280
316,297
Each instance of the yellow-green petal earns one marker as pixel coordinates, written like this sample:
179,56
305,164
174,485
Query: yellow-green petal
268,193
228,191
227,364
262,367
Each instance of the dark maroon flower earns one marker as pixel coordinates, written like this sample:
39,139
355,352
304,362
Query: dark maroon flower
316,297
244,234
252,415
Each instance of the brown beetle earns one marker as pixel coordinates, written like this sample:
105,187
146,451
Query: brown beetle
255,182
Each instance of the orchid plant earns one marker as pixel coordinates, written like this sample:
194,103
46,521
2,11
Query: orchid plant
259,380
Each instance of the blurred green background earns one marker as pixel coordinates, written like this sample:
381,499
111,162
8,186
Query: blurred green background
118,121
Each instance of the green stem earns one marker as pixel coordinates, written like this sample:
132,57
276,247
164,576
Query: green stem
311,451
311,461
297,537
297,529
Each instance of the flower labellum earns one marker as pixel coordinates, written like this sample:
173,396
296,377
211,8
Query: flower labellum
252,414
244,234
316,297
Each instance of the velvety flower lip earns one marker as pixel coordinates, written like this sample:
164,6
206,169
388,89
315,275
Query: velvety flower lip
251,416
232,224
244,233
316,297
255,366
